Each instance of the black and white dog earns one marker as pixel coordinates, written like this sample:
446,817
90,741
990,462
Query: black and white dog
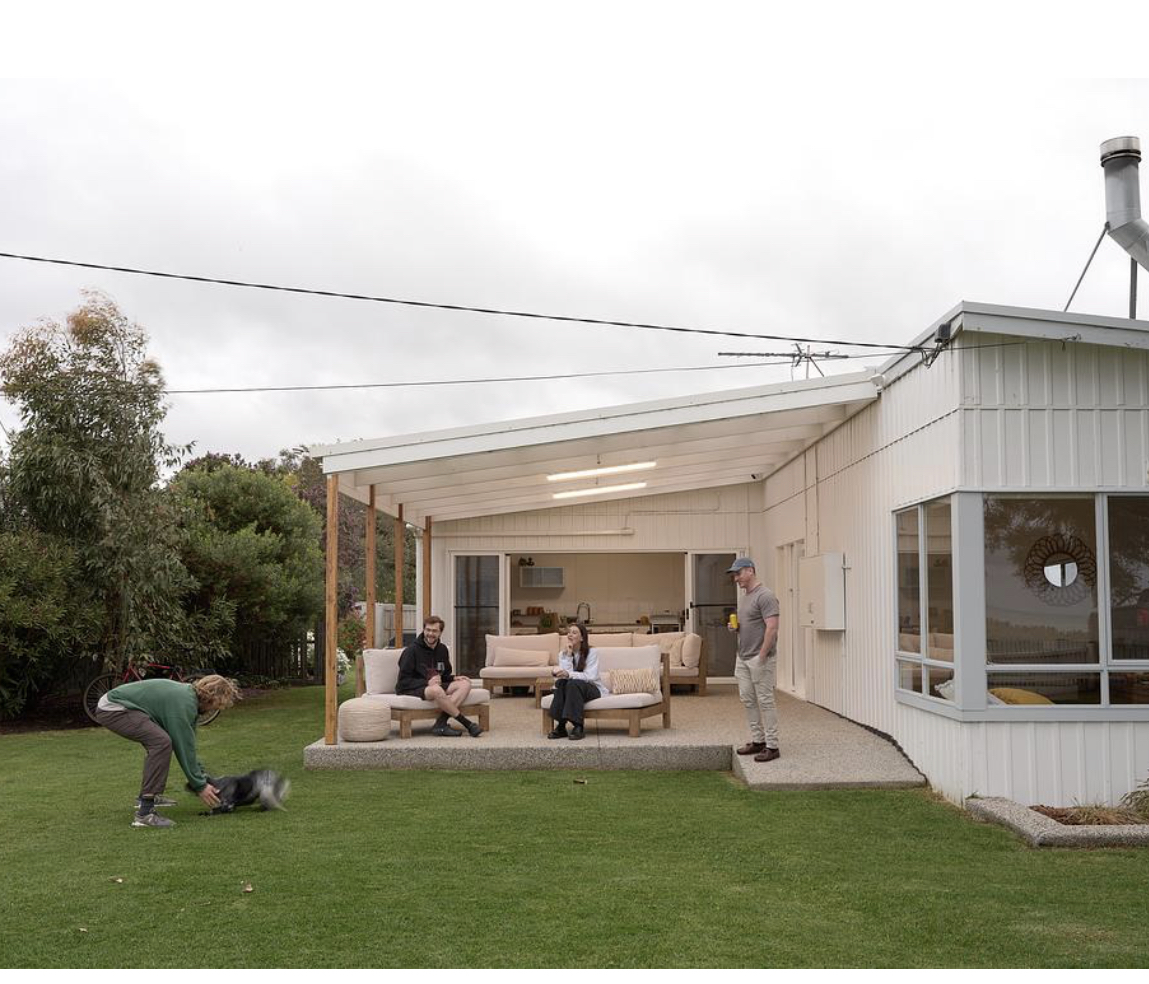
262,786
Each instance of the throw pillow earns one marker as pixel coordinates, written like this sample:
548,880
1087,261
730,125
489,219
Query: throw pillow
1015,695
641,680
505,656
676,652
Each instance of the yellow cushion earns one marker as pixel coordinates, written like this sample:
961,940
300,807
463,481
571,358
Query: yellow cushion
638,680
1015,695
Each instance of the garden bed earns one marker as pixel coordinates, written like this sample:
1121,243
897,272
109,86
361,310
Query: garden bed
1042,830
1091,816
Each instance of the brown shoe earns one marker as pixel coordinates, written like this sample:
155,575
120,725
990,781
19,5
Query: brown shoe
768,756
752,748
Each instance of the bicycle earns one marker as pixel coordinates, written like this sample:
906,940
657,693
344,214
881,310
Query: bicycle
150,670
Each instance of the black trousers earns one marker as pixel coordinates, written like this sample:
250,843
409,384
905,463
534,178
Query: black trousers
570,696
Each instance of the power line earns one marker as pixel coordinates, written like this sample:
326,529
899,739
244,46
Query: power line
466,382
451,307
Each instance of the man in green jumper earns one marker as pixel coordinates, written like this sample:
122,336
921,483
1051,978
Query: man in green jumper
161,715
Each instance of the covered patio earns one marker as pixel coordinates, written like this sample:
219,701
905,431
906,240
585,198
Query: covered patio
445,482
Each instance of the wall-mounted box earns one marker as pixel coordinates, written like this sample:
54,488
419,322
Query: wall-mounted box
822,592
540,577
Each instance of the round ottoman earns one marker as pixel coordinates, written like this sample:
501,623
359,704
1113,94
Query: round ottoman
364,719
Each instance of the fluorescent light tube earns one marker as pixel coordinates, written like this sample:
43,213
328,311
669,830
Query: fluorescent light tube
605,470
599,490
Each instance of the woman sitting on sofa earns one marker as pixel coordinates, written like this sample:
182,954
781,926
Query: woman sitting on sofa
576,682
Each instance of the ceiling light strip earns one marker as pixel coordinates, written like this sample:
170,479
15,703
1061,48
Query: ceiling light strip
599,490
605,470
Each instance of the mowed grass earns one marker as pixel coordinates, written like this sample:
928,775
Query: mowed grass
430,869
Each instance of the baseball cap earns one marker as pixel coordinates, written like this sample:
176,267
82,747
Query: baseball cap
740,565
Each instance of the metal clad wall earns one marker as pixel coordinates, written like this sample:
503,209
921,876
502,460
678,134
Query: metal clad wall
899,449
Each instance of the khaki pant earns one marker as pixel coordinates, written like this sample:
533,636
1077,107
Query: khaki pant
756,691
137,726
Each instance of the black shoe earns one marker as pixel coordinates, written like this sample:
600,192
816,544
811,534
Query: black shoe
445,731
558,733
578,734
474,729
768,756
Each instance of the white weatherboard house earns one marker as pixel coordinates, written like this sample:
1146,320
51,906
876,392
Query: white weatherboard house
961,549
959,541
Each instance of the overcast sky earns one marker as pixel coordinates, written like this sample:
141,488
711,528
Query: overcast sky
711,165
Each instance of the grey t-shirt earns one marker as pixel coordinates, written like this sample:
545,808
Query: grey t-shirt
754,608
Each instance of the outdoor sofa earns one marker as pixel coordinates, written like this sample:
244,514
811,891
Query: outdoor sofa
522,661
630,707
378,676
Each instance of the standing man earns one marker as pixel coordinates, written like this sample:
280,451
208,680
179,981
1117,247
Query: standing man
756,667
425,672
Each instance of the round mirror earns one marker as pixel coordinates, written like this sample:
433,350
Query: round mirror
1061,571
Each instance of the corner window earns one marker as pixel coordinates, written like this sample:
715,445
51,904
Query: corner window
925,641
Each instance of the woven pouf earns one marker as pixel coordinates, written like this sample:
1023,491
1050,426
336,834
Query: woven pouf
364,719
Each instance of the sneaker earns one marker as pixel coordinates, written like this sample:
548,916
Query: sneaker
577,734
558,733
752,748
768,756
151,820
474,729
445,731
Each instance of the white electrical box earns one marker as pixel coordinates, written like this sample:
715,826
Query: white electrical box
822,592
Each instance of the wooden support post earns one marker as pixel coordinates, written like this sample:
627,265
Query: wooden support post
427,610
400,542
369,593
331,615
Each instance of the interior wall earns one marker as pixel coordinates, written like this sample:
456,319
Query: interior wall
619,587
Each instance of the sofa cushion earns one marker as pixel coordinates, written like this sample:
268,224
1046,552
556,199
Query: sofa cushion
613,701
611,639
381,670
401,702
506,656
616,658
641,680
684,671
514,672
550,643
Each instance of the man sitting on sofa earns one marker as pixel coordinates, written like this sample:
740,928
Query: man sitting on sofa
425,672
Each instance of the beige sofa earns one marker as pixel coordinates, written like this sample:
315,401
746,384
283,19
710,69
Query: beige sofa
631,708
379,674
520,661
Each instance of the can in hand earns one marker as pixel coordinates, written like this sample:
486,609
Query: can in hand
733,620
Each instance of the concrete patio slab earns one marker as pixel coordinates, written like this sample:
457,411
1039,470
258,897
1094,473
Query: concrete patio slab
820,750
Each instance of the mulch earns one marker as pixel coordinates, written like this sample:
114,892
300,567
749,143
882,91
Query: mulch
1074,816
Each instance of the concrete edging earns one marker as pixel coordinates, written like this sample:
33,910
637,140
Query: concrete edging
1042,831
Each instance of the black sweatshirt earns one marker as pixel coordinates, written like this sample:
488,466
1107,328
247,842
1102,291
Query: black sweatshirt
419,663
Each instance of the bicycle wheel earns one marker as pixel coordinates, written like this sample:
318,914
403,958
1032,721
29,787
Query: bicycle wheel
96,689
191,678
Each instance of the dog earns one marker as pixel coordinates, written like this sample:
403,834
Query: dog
264,786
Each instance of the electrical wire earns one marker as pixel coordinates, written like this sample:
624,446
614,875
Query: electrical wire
452,307
784,359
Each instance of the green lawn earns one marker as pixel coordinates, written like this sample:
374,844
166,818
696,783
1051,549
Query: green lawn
523,869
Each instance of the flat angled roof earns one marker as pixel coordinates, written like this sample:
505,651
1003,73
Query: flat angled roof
702,440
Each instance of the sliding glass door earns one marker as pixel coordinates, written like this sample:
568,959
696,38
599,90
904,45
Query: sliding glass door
478,590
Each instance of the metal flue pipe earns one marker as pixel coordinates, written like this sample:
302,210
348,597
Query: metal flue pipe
1121,157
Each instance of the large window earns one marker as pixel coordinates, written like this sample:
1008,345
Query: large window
925,600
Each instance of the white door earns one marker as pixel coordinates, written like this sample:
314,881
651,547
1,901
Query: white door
792,637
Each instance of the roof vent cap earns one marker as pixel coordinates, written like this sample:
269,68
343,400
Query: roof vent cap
1120,147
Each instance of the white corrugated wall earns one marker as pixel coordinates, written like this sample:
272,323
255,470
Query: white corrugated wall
994,415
